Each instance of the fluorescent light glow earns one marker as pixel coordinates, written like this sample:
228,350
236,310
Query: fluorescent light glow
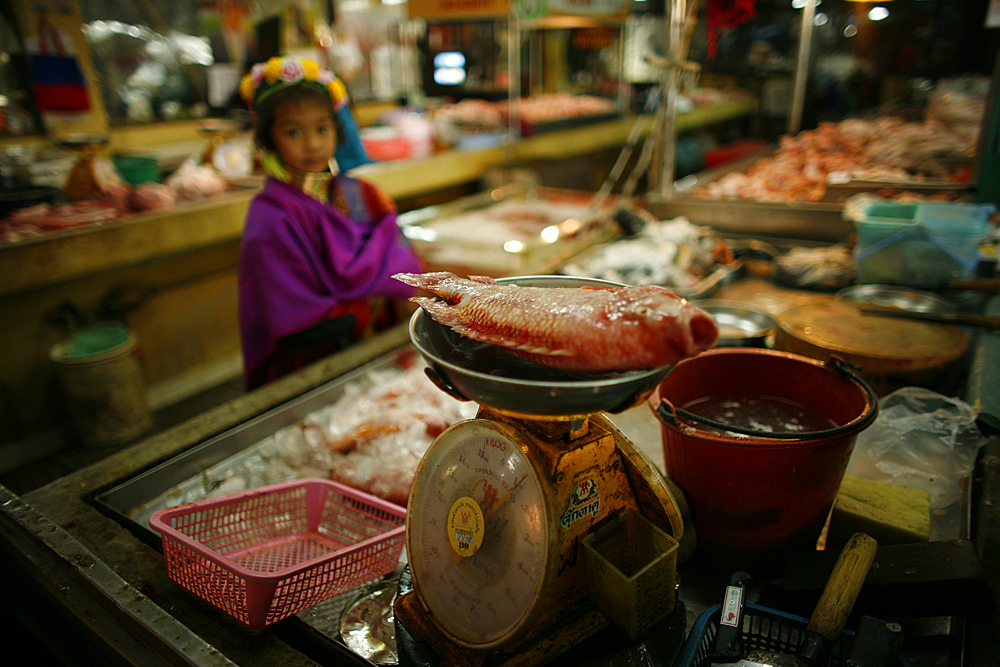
821,19
799,4
878,13
449,59
550,234
449,76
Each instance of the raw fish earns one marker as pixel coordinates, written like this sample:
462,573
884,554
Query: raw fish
589,329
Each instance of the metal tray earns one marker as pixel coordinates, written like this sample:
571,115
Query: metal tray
444,251
813,221
721,274
133,500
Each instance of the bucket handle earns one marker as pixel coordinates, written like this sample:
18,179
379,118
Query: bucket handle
671,414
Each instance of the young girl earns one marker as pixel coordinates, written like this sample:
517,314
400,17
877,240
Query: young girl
319,247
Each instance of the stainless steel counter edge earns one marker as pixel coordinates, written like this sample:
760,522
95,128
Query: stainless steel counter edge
96,595
118,584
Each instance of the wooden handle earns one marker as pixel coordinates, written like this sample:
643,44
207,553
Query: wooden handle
957,319
843,587
988,284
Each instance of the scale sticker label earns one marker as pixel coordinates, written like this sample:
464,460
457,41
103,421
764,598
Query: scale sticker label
731,606
583,492
465,526
584,502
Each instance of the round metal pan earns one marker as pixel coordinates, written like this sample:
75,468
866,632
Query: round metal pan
739,326
914,300
493,377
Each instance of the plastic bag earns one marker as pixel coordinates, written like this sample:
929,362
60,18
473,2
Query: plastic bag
58,81
922,440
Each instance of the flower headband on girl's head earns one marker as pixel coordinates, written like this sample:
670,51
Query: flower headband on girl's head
284,71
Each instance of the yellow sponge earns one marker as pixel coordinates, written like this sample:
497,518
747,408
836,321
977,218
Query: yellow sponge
890,513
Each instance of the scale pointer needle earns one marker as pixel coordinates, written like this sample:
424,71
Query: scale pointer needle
499,504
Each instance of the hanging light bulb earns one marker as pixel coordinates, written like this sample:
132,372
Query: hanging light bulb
878,13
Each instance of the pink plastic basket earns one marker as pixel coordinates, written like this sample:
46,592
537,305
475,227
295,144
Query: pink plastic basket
265,554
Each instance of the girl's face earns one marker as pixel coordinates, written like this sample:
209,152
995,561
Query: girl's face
304,135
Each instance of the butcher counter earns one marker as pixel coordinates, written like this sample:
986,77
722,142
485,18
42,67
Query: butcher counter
99,593
171,277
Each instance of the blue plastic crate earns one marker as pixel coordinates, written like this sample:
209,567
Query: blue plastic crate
763,628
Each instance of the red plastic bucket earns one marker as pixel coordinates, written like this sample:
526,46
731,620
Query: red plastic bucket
760,491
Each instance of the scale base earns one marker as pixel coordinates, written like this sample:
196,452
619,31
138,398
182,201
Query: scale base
442,651
602,646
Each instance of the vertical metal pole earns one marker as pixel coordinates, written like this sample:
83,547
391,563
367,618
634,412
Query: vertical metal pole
407,64
678,15
801,68
514,74
624,97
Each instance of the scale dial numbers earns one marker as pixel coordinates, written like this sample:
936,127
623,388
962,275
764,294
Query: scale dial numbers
476,535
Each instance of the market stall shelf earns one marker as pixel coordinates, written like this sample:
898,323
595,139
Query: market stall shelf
81,251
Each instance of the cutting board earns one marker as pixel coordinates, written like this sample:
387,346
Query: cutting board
891,352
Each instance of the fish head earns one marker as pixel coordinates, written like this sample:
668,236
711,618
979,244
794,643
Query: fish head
649,303
668,318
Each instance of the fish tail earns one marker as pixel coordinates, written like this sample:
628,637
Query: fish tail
444,284
444,313
427,281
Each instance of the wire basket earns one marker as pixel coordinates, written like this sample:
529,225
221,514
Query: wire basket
266,554
763,628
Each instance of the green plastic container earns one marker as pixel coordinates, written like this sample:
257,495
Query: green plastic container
101,378
138,169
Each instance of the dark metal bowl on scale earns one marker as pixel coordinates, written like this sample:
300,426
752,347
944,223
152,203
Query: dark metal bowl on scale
495,378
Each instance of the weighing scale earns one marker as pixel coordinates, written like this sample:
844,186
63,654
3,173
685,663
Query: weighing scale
92,174
218,131
501,504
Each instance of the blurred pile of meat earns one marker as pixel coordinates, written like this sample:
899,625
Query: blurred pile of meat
671,253
113,201
887,150
534,110
371,438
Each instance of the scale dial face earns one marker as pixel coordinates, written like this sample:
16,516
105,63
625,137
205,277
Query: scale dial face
476,535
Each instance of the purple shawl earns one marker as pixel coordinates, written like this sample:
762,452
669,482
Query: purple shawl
300,258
